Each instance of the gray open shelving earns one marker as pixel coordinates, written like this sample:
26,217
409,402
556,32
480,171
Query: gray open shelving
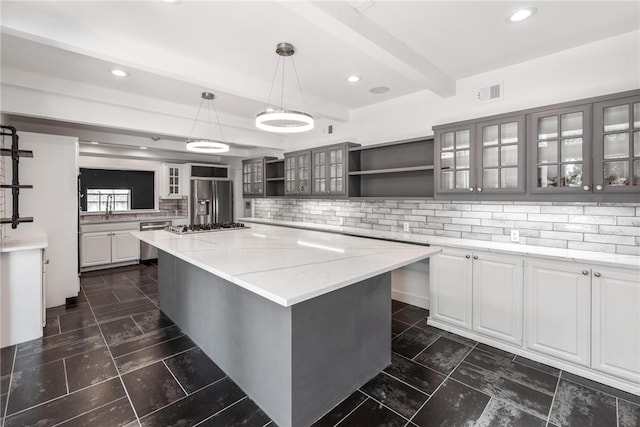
274,178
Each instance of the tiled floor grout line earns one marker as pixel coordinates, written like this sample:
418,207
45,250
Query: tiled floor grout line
144,293
135,413
382,404
174,377
351,411
599,391
136,323
507,378
484,410
440,385
152,345
553,399
405,383
90,410
221,410
66,379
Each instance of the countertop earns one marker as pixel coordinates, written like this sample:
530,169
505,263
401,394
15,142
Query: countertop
599,258
287,265
23,243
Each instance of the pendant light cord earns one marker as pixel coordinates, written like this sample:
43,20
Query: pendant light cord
273,80
304,102
196,119
215,110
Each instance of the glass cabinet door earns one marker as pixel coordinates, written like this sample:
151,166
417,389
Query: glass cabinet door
617,145
559,150
336,169
500,162
290,182
454,151
257,177
174,181
246,178
319,172
304,173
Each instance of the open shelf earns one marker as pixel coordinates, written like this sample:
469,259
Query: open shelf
401,170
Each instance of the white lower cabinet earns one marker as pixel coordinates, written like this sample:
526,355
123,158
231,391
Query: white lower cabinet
497,296
558,309
616,322
99,248
450,287
479,291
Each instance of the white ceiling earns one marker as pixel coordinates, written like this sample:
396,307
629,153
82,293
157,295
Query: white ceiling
174,51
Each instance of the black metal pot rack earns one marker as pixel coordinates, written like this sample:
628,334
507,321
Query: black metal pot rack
15,186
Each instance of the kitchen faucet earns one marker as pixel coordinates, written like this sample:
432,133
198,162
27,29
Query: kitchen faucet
108,211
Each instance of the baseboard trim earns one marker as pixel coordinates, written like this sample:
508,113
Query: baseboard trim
417,300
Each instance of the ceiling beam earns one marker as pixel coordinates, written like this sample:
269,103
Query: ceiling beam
345,22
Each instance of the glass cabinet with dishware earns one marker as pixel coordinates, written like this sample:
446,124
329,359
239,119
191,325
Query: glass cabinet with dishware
616,145
560,150
455,170
329,174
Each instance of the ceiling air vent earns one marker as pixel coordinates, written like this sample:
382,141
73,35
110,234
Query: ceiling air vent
490,93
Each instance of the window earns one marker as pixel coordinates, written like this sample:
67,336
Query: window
119,199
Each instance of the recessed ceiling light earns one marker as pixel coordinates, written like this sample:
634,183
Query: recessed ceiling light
379,89
95,142
354,79
522,14
143,148
119,73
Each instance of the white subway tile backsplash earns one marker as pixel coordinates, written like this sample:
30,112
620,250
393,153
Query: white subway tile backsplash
591,226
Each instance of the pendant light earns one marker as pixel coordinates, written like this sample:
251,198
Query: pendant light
280,120
207,146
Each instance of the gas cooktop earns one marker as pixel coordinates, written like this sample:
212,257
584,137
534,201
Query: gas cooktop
205,228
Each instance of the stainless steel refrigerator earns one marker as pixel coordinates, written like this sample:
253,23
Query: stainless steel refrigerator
211,201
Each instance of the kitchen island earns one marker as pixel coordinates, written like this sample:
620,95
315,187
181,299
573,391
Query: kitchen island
298,319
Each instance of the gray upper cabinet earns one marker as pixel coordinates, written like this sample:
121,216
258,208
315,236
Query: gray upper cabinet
560,150
297,173
253,177
616,145
329,174
455,149
481,157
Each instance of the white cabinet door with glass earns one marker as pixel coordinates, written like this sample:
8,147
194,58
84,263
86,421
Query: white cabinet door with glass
329,171
171,181
616,146
560,150
616,322
558,309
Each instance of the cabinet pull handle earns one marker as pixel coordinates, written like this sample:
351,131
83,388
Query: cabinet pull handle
586,188
471,189
596,274
479,189
599,187
467,256
475,257
585,272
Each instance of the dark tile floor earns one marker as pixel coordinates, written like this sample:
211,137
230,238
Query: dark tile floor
113,359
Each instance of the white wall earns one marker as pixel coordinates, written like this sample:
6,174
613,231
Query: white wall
607,66
53,203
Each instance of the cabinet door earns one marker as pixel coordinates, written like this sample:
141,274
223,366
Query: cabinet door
95,249
257,170
171,181
290,173
303,165
124,247
497,296
616,322
337,171
616,142
319,172
450,287
560,151
558,309
500,160
455,170
247,186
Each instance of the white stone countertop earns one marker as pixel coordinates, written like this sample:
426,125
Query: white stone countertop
599,258
23,243
287,265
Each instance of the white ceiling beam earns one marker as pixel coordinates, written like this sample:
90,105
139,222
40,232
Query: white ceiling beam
345,22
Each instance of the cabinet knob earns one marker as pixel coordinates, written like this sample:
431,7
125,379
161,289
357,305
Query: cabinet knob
479,189
475,257
467,256
599,187
585,272
586,188
471,189
596,274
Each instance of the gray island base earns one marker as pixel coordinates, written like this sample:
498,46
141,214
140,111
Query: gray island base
295,362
